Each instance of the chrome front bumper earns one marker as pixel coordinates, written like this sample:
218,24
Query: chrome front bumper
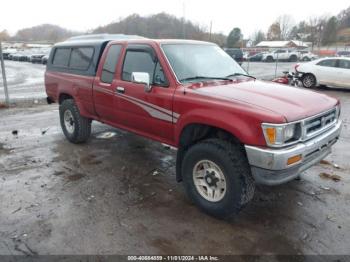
269,166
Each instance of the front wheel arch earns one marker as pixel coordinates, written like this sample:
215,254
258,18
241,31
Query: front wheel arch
194,133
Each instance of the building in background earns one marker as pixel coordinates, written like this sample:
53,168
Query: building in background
284,44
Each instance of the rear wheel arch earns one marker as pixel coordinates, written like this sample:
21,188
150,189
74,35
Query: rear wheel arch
84,111
64,96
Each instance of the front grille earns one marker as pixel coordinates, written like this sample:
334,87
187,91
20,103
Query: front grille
320,123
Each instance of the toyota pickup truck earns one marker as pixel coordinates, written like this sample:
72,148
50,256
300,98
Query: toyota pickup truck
231,130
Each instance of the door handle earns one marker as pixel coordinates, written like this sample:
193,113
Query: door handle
120,90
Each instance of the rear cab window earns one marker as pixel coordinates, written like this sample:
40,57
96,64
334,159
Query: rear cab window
81,58
75,58
61,57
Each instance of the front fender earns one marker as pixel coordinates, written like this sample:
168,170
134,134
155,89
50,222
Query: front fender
246,130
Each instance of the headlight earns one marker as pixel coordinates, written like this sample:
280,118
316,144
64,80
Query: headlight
277,135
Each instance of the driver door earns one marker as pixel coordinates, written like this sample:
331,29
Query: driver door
146,112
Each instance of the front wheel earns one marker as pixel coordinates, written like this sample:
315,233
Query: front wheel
75,127
217,177
308,80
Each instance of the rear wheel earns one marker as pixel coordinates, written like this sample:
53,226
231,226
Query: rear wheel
75,127
217,177
308,80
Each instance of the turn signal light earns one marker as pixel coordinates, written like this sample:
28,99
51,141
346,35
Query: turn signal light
293,159
271,134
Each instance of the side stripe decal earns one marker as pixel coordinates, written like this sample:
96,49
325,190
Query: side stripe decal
152,109
153,112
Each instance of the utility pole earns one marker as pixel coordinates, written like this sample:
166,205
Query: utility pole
211,27
7,99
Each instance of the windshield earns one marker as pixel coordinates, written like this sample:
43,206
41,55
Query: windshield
191,62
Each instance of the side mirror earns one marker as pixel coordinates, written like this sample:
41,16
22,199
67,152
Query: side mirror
142,78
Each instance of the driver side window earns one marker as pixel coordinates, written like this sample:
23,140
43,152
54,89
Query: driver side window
142,61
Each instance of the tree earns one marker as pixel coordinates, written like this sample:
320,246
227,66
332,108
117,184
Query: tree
274,32
344,19
315,28
258,36
4,35
330,31
286,23
44,32
234,37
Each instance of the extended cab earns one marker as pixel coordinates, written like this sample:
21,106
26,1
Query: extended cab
231,130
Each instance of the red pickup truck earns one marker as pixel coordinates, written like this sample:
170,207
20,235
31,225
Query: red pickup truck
230,130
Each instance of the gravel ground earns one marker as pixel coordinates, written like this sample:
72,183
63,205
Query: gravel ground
117,194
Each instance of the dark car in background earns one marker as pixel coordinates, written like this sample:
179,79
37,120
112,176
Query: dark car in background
36,58
22,56
256,58
343,53
236,54
44,59
5,55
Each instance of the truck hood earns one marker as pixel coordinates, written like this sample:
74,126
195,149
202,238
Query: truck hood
291,102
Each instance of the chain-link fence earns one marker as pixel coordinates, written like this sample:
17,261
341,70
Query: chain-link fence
268,71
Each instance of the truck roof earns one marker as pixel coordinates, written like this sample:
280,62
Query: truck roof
95,40
104,36
99,43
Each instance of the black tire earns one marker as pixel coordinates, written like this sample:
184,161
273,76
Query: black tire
308,80
232,160
269,59
293,58
81,129
306,59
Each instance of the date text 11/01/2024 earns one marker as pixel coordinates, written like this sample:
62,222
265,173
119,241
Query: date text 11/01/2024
173,258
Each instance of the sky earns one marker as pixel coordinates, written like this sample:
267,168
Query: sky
83,15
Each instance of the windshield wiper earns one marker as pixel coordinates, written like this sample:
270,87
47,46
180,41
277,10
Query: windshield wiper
205,78
240,74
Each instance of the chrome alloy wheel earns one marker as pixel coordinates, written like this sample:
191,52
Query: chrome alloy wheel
308,81
209,180
69,121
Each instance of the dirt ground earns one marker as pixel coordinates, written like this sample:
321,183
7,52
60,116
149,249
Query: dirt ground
117,194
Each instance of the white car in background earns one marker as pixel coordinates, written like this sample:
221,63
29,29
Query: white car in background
331,71
281,55
307,56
